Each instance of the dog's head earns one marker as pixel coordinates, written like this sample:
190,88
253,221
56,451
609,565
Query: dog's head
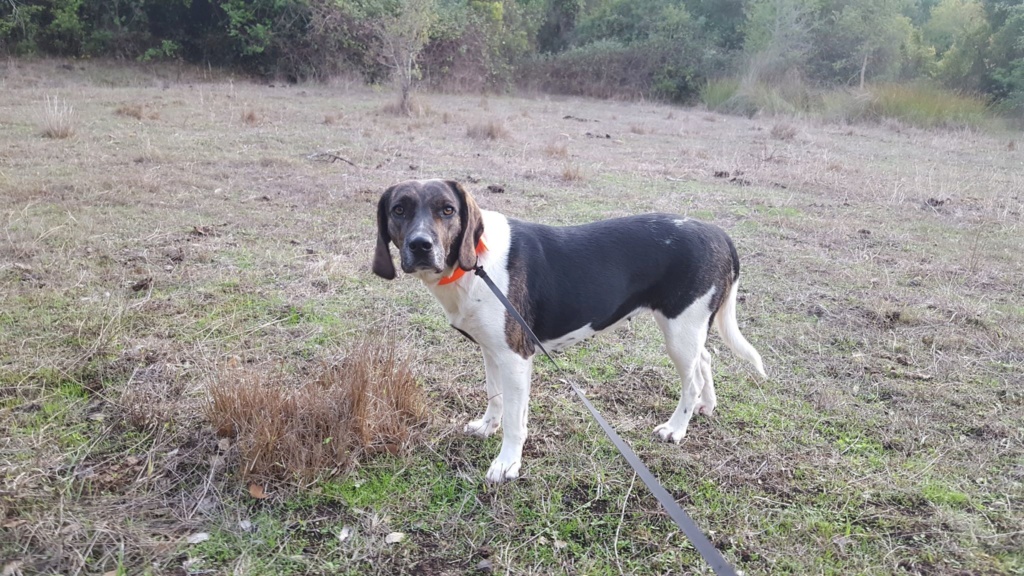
435,224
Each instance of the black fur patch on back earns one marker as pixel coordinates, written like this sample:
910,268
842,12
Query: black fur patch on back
597,273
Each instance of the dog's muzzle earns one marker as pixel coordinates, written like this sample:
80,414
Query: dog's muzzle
420,253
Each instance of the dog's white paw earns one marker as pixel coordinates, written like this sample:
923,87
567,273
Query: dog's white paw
667,433
502,470
705,408
482,427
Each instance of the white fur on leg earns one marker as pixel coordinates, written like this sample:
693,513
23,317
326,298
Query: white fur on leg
685,336
515,385
491,420
674,430
708,400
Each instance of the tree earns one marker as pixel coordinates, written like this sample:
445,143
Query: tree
402,34
778,34
560,19
866,32
722,20
1006,51
950,20
960,34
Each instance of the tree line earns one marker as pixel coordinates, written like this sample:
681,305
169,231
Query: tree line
663,49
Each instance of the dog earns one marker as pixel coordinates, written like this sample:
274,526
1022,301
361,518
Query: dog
568,283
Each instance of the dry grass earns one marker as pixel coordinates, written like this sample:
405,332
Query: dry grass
488,130
558,149
880,282
136,111
572,172
58,118
413,107
250,117
367,404
783,131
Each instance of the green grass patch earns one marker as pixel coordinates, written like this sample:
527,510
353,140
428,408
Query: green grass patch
716,93
918,104
940,493
374,489
927,106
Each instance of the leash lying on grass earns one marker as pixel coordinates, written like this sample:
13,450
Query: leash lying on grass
707,550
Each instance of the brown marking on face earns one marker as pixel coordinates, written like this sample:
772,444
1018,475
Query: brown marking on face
440,211
464,252
517,338
383,266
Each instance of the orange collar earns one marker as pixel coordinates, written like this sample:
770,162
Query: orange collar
480,248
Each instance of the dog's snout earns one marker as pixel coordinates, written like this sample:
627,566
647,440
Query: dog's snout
421,245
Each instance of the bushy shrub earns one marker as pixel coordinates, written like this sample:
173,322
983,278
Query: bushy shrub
343,413
611,69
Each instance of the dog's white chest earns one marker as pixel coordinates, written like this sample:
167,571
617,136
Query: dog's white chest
469,304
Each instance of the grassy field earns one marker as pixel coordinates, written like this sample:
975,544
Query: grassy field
164,228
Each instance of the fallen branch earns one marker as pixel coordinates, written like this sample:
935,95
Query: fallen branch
330,156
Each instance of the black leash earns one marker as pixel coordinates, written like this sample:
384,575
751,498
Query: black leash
704,546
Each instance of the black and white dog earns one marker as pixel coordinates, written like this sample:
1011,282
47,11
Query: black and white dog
568,283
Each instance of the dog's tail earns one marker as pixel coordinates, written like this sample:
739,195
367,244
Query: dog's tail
729,330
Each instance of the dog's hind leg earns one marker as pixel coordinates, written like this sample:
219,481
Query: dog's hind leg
491,420
708,400
685,336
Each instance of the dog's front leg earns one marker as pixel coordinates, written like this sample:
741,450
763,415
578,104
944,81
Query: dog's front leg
491,420
514,375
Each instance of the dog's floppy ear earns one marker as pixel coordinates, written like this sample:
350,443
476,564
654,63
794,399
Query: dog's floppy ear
383,266
472,227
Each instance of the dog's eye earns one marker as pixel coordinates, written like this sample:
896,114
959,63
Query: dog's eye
398,210
448,210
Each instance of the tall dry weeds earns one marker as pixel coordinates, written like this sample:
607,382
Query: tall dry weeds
58,118
366,405
489,130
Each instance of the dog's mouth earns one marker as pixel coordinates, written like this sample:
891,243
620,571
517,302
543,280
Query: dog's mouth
413,264
415,269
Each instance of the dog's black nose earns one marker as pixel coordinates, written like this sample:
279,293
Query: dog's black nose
420,245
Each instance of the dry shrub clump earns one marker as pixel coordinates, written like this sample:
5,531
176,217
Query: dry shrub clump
557,149
572,173
58,118
130,110
410,107
250,117
490,130
368,404
137,111
783,131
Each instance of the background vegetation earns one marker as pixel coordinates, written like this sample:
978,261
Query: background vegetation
666,49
